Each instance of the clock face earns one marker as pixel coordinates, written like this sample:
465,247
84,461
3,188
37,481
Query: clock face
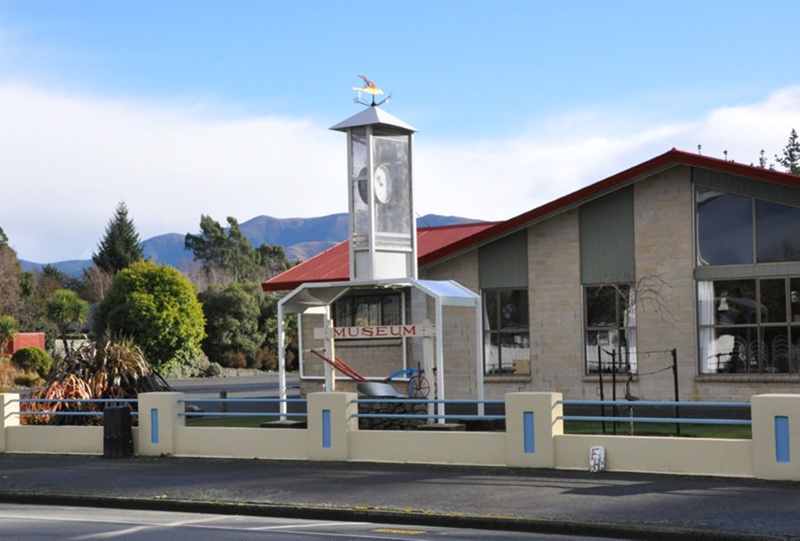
381,183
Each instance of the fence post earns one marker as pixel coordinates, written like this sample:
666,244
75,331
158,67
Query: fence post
531,426
158,419
776,436
9,403
330,419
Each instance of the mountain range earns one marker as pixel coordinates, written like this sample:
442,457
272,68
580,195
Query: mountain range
302,238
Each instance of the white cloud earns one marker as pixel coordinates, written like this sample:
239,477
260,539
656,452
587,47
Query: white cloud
499,179
67,160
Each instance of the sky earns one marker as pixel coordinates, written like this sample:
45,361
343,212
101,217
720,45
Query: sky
180,108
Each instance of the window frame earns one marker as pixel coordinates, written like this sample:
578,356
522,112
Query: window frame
706,236
373,297
622,331
754,345
494,336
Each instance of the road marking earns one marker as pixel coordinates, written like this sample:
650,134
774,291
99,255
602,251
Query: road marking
404,532
307,525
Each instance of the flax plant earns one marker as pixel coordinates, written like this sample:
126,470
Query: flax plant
116,370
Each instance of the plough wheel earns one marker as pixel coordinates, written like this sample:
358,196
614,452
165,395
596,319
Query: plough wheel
420,387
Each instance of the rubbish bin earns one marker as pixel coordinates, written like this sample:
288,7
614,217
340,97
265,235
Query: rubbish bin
117,433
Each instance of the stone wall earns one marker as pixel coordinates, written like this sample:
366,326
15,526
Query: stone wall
391,408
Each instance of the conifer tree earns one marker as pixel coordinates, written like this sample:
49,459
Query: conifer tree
791,155
228,251
120,245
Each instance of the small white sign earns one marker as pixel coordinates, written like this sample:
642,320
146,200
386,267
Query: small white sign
597,459
375,331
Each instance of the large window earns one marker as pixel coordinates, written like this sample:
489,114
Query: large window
610,328
506,331
749,325
365,310
736,229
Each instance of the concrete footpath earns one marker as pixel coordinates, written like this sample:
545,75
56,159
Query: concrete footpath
620,506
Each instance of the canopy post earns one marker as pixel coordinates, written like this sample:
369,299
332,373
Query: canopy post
428,360
330,351
282,363
440,395
479,371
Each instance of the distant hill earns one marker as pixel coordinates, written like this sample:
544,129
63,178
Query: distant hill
302,238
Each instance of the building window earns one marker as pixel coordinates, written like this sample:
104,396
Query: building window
749,325
367,310
506,336
735,229
610,328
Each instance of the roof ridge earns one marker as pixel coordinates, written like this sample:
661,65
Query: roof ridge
455,226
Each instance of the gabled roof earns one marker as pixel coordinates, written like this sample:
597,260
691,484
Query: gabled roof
655,165
333,265
436,243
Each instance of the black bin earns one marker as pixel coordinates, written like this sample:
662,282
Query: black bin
117,433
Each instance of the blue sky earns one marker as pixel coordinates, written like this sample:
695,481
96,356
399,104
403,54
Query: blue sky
183,108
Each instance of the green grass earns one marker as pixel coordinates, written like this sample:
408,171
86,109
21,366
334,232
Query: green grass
570,427
235,422
661,429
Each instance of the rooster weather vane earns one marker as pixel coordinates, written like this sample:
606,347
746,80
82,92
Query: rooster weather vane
372,89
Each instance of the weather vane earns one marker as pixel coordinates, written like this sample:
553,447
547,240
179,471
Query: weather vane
372,89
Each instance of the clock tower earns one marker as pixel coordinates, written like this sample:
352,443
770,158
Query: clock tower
383,239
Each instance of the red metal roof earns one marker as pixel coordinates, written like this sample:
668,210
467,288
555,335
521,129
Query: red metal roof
333,265
437,242
664,161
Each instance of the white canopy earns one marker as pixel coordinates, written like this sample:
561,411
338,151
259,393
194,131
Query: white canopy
317,297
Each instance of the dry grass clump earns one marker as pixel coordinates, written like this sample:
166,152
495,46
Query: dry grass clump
13,378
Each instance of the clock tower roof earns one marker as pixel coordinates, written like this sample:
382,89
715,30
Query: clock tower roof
372,116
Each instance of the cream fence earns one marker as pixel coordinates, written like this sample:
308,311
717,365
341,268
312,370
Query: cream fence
533,438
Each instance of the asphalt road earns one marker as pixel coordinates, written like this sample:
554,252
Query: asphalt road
249,384
46,523
577,503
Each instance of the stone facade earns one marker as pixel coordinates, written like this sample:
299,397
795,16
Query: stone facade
664,251
664,258
460,343
555,305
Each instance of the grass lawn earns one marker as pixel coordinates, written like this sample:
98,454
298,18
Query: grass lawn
570,427
660,429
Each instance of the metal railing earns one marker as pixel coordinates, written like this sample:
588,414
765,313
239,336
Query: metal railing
451,416
676,419
96,412
630,406
223,402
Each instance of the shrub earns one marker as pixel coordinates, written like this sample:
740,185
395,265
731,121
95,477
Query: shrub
265,360
232,319
157,307
198,367
9,327
8,372
236,359
28,379
34,359
213,370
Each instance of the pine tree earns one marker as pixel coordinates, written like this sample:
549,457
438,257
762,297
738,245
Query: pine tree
227,251
791,155
120,245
